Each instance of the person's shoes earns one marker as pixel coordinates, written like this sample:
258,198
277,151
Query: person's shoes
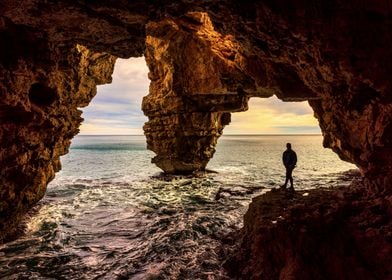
283,186
291,189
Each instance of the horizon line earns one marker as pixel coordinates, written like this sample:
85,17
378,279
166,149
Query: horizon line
244,134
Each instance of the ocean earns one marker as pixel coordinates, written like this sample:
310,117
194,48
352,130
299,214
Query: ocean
111,214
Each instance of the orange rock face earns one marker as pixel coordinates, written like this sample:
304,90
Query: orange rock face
189,101
328,234
39,117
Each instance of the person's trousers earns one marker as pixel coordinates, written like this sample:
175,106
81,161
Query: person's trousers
289,175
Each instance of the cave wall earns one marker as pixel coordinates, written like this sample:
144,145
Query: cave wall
339,53
47,74
42,87
206,59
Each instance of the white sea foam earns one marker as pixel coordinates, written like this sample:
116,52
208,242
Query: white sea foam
109,215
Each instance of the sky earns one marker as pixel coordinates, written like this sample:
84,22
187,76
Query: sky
116,109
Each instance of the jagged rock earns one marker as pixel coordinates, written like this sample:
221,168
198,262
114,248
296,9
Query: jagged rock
327,234
41,92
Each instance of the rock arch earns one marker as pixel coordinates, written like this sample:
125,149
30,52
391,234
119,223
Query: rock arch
206,59
199,75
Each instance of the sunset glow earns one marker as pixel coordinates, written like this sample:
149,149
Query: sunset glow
117,109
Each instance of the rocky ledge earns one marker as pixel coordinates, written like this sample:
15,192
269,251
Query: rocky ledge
327,233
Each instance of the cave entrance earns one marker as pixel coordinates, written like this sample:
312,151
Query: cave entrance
250,149
273,116
115,110
111,144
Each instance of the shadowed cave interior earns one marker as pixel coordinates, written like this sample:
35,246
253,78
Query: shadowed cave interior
205,60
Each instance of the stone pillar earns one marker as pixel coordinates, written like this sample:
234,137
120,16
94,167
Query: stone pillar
192,92
184,142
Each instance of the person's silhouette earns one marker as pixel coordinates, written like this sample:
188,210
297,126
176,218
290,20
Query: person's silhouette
289,161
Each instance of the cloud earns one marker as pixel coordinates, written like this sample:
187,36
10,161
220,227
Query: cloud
273,116
300,129
273,103
117,108
106,129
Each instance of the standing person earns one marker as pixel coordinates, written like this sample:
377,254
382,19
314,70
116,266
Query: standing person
289,161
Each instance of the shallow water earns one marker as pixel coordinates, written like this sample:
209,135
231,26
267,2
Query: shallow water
110,215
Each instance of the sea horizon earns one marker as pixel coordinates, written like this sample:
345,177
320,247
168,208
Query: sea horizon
245,134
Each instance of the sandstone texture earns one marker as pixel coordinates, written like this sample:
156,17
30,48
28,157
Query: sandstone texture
320,234
206,59
189,102
39,116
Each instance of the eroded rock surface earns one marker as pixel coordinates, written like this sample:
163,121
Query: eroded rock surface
40,96
189,102
318,234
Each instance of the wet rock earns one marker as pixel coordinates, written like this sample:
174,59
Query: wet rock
198,199
235,190
186,182
167,211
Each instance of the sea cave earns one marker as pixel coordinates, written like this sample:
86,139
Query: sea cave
206,59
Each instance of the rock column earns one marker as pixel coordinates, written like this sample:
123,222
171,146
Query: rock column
189,103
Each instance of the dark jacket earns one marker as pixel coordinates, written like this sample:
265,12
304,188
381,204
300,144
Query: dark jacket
289,158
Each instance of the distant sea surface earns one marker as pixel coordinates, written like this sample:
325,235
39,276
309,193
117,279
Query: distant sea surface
109,214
